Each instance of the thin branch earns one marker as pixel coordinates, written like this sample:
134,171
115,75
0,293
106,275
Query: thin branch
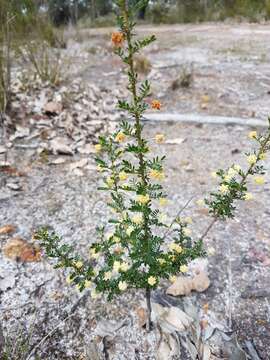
177,216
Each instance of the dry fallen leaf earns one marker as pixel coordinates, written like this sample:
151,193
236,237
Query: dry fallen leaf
142,316
168,348
176,141
171,319
53,108
201,282
19,250
12,171
7,229
184,285
205,98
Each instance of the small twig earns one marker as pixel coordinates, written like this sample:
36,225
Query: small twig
105,348
252,350
177,215
72,311
208,228
48,335
149,309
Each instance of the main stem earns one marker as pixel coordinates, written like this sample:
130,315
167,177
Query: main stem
141,170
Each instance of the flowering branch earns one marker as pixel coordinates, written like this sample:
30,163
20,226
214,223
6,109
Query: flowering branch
131,251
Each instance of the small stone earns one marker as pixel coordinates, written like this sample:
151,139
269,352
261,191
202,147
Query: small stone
2,150
14,186
53,108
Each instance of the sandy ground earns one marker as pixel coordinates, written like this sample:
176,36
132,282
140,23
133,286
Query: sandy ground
231,76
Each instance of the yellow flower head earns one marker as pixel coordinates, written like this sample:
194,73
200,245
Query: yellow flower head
188,220
262,156
107,275
98,148
158,175
69,279
155,104
253,135
237,168
252,159
109,181
173,278
161,261
187,232
120,137
100,168
94,254
117,38
94,294
232,172
116,239
142,199
129,230
137,219
248,196
228,178
78,264
200,202
160,138
151,280
122,285
183,268
116,266
163,201
162,218
124,266
175,247
224,189
122,176
259,180
87,284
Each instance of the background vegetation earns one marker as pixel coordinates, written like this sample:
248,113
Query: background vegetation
158,11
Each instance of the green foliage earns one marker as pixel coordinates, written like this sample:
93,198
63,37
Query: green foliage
138,248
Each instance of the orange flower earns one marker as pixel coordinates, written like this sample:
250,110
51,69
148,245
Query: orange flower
117,38
156,105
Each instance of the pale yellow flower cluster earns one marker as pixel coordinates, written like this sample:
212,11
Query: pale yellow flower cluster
152,280
224,189
137,218
253,135
259,180
175,247
129,230
248,196
252,159
109,181
78,264
187,232
98,148
160,138
94,254
163,201
183,268
122,285
200,202
157,175
142,199
120,137
122,176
